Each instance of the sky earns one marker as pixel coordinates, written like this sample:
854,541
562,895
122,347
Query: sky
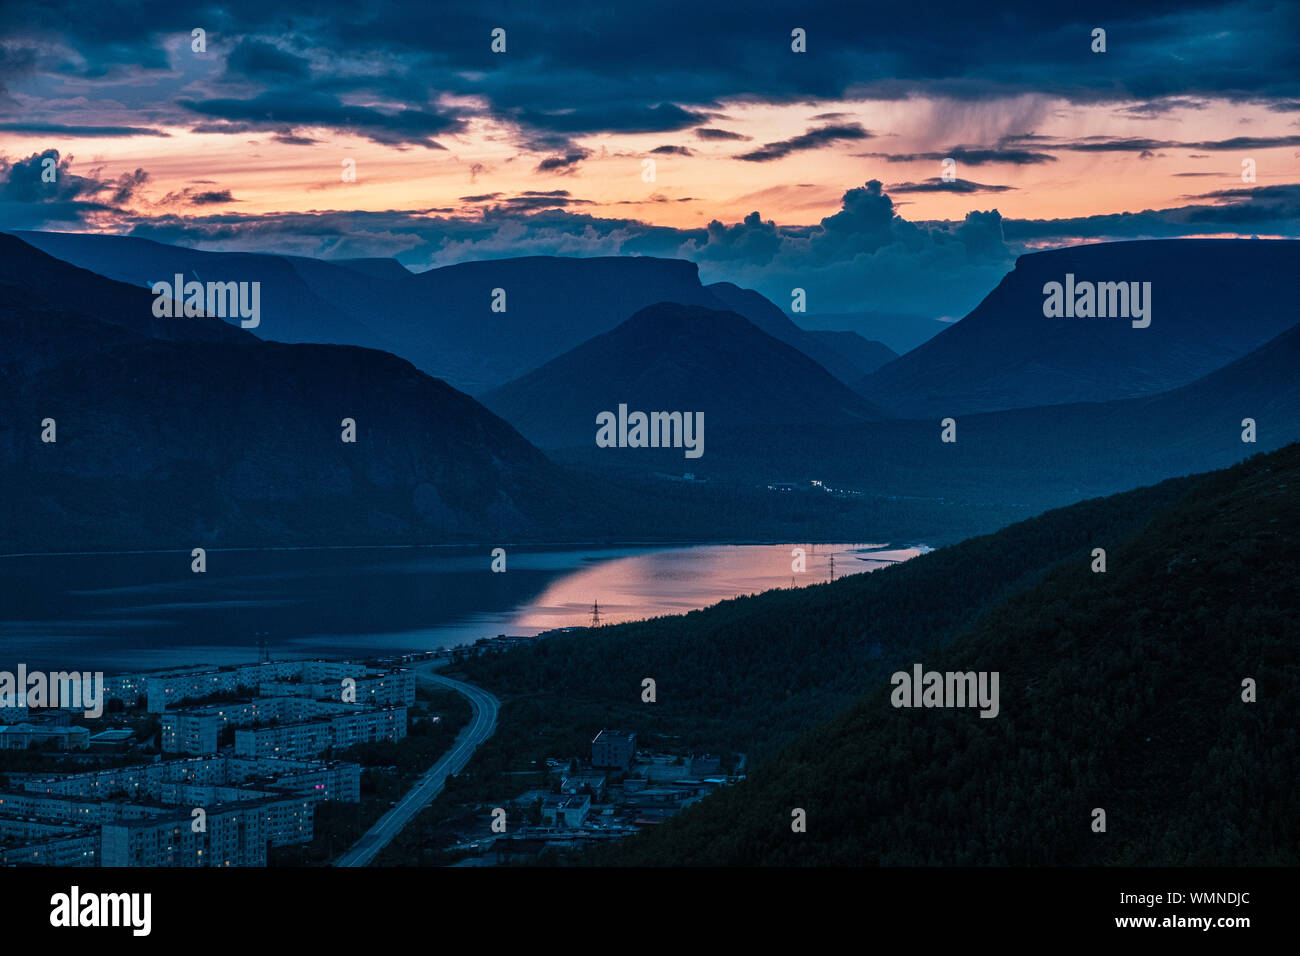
674,129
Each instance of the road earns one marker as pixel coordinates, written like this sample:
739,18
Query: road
479,729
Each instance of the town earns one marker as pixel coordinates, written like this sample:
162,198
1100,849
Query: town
291,762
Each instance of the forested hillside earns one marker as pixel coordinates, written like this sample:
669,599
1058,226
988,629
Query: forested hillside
1120,690
750,674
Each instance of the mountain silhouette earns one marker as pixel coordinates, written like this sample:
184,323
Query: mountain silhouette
674,357
292,308
846,355
1212,301
189,430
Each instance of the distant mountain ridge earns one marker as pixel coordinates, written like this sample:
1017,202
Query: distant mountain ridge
899,332
1213,301
1038,458
846,355
673,357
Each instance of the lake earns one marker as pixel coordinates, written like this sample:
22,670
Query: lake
142,610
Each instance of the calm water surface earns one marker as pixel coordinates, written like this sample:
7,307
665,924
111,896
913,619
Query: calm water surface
136,611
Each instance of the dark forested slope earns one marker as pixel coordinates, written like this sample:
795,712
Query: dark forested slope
1119,690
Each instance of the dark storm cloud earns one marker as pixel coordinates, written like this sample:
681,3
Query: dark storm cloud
263,61
813,139
572,70
672,150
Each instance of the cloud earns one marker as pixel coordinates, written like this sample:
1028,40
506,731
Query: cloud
563,164
661,118
295,108
256,60
398,54
293,139
970,156
527,201
863,257
751,240
709,132
28,201
59,129
1134,144
938,185
812,139
212,197
1271,210
1163,106
672,150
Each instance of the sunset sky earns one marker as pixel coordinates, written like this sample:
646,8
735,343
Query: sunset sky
461,152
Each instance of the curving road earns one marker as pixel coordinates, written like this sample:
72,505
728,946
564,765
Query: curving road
479,729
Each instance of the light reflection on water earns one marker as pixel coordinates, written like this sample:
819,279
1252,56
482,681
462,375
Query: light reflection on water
137,611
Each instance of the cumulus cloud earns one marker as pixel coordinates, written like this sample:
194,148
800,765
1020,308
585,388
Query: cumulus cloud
863,257
29,201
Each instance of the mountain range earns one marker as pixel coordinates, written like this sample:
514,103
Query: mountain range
476,324
1180,393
